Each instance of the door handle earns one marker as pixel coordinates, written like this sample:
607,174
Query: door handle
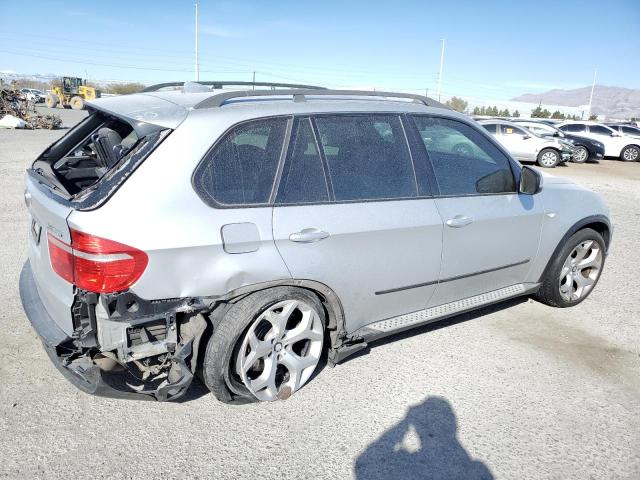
308,235
459,221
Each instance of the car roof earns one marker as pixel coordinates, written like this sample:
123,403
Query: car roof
501,122
170,108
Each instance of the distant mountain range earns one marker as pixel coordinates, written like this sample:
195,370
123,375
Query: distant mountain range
615,102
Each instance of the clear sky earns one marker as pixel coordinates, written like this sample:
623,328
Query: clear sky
494,49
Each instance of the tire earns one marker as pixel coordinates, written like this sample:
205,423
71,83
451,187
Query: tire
244,333
548,158
568,280
51,101
77,103
630,153
580,154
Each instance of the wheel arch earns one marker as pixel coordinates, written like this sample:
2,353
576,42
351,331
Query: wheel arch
328,298
599,223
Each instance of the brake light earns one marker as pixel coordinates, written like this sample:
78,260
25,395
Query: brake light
96,264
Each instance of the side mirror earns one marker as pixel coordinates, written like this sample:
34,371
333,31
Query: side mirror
526,137
530,181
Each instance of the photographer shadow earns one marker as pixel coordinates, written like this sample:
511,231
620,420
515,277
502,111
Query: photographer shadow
424,445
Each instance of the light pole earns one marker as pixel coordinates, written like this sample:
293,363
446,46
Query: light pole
440,74
593,86
197,59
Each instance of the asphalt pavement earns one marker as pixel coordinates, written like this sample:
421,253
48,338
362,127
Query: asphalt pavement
520,390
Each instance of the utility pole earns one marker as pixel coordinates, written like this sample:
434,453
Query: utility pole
197,58
440,74
254,80
593,86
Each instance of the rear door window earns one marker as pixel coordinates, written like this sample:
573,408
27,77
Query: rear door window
599,130
241,168
572,128
511,130
367,157
465,162
491,128
303,177
630,131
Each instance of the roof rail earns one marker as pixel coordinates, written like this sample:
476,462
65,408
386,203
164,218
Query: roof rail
218,84
299,95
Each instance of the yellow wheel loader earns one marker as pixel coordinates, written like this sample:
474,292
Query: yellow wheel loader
71,94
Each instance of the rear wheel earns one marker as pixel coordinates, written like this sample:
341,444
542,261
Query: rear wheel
630,153
548,158
77,103
580,155
573,274
51,101
266,347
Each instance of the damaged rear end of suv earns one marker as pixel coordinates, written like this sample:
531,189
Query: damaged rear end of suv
76,285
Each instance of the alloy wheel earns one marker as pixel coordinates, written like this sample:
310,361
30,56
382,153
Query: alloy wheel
631,154
280,350
580,270
549,159
580,155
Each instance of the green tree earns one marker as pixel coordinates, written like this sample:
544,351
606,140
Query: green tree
557,115
476,111
494,111
516,114
593,117
457,104
536,112
546,113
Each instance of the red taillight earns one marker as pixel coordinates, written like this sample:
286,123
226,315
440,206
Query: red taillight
95,263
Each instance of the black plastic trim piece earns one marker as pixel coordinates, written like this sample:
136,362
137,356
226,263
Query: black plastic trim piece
217,84
578,226
299,95
451,279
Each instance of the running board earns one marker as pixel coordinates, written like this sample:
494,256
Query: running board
409,320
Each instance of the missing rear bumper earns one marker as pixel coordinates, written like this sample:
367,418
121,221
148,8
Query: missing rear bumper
140,363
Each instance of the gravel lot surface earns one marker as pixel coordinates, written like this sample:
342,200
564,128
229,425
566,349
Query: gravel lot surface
526,391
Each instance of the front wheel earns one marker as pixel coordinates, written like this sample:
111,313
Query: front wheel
77,103
580,155
51,101
548,158
266,347
630,153
573,274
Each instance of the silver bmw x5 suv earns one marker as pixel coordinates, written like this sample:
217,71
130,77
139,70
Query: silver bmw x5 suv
244,236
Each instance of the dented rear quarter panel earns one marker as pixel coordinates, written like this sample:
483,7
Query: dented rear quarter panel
158,211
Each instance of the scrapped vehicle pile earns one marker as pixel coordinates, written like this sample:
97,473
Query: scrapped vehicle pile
16,112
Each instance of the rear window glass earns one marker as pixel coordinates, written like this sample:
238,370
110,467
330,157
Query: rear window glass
367,156
241,168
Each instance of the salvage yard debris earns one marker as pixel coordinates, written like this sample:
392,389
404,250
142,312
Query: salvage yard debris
16,107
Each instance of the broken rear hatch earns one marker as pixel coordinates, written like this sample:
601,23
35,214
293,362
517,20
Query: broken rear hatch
80,172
